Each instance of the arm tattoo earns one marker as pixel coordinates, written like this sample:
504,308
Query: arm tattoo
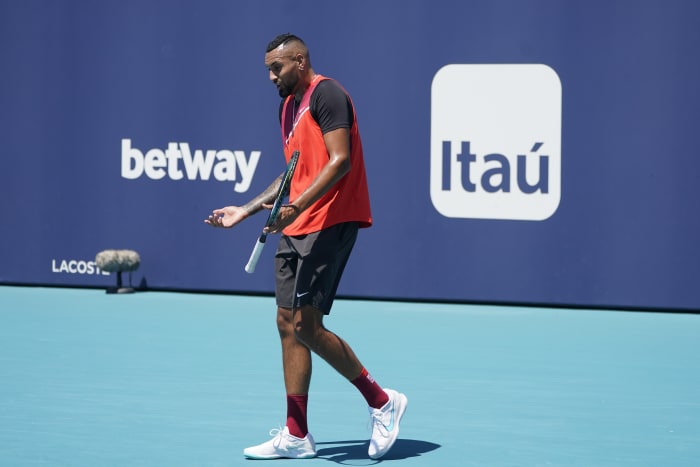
266,197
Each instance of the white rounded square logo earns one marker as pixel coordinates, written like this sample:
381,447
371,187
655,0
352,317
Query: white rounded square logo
495,141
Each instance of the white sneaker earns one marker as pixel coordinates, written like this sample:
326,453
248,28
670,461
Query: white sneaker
283,445
385,423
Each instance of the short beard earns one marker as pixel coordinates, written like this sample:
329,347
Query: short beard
286,89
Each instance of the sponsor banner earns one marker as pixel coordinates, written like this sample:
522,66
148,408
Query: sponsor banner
76,266
179,162
513,156
495,149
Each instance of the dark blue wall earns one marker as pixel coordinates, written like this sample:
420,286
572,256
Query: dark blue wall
81,77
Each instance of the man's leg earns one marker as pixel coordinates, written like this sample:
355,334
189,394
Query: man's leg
386,406
296,366
294,441
309,330
296,357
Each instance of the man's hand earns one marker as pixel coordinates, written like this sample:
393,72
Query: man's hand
287,214
226,217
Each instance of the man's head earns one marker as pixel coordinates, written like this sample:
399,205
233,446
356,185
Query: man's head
288,61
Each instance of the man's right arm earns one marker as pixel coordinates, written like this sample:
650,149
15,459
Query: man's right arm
229,216
266,197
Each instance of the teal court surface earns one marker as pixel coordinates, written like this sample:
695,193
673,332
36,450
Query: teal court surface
176,379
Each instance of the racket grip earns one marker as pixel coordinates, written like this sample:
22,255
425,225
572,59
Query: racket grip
254,257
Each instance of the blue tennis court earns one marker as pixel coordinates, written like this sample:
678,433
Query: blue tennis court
176,379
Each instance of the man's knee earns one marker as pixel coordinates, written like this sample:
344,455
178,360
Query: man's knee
308,325
285,324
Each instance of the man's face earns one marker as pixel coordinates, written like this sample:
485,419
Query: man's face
284,70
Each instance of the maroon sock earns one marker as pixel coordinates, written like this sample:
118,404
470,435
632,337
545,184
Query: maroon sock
296,414
372,392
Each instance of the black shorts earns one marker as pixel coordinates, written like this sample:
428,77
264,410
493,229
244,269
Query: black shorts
308,267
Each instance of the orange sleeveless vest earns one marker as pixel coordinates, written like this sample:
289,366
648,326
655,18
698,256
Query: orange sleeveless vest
348,199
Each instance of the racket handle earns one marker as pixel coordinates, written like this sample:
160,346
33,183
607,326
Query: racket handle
254,257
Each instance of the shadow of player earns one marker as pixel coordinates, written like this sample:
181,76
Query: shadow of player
345,452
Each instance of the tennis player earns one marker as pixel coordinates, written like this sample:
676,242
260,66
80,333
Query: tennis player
328,204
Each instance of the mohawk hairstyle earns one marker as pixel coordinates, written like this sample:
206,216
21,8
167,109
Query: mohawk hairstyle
282,39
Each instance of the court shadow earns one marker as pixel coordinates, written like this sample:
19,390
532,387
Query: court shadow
354,451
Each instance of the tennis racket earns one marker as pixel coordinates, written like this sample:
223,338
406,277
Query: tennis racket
282,192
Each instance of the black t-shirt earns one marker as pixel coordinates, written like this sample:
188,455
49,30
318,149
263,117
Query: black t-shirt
329,106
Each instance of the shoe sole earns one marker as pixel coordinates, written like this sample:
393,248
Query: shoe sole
267,458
